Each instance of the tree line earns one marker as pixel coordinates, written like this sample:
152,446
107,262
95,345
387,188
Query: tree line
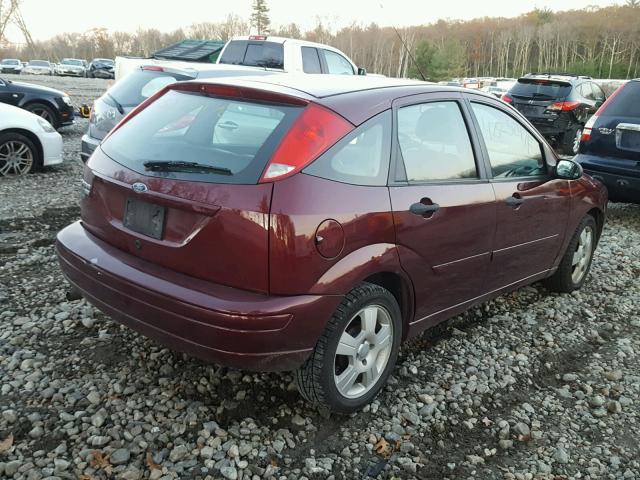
601,42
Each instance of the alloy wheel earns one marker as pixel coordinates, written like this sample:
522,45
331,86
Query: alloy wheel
16,158
44,113
582,255
576,141
363,351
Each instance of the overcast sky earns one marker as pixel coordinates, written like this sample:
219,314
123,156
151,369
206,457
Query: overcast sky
46,18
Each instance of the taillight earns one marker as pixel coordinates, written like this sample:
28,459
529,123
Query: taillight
506,98
315,130
563,106
152,68
586,131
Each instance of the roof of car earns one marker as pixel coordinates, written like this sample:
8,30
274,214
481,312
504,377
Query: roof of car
322,85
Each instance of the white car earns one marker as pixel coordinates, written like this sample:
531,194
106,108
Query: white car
71,66
38,67
27,142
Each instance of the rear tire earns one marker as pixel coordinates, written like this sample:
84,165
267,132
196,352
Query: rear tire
571,140
576,261
367,327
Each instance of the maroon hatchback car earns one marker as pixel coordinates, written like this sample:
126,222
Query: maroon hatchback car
313,224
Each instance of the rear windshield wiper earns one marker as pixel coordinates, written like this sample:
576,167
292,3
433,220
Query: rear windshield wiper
174,165
116,103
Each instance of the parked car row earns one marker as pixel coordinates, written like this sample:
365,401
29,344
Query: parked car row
97,68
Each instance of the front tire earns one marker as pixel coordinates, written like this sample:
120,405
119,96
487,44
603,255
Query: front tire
576,261
356,353
45,112
18,155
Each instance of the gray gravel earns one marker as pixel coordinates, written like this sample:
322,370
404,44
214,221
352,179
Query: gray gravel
531,385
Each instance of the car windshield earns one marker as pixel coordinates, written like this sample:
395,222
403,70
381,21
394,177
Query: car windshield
626,103
541,88
10,62
234,137
39,63
69,61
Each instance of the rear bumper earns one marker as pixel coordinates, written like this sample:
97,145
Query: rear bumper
622,185
87,147
225,325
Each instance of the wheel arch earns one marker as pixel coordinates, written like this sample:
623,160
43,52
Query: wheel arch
598,216
31,136
47,102
401,288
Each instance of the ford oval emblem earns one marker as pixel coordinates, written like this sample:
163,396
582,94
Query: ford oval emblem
139,187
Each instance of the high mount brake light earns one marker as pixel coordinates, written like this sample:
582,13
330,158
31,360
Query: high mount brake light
152,68
258,37
313,132
563,106
506,98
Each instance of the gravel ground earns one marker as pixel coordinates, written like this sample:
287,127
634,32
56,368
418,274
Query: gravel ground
531,385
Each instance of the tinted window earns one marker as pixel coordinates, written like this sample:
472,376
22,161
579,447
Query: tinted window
219,132
337,64
361,158
39,63
513,151
141,84
254,54
310,60
543,89
626,103
435,143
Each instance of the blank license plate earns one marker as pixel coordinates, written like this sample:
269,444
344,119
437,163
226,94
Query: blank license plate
629,140
145,218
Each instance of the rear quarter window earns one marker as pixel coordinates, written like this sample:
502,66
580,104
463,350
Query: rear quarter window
361,157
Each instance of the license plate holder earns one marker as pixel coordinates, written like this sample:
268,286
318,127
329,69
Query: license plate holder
628,137
144,218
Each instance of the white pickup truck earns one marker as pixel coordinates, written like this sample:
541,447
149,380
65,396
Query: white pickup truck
273,53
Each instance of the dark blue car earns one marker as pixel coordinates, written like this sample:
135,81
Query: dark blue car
610,146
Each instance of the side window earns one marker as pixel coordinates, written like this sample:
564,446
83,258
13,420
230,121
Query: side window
360,158
310,60
586,91
513,150
337,64
435,143
597,92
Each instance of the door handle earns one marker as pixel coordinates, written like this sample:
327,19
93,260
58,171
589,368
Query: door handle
514,201
228,125
423,209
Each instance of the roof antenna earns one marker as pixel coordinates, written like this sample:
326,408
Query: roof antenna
406,48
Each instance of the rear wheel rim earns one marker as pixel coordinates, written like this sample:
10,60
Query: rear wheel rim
582,255
576,141
44,113
16,158
363,351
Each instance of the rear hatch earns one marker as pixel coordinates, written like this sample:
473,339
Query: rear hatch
178,183
614,131
539,99
127,94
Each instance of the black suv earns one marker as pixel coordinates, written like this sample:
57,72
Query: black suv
610,147
558,105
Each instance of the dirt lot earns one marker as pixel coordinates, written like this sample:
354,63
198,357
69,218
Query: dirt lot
531,385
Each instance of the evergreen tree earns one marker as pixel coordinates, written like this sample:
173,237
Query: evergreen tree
260,17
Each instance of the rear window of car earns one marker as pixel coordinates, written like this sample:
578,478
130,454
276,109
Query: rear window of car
39,63
542,89
68,61
141,84
229,134
254,54
626,103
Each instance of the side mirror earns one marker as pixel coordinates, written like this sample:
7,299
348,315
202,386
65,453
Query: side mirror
568,170
362,71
